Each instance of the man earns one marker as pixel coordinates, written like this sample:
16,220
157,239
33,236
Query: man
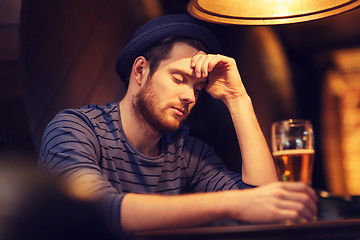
140,163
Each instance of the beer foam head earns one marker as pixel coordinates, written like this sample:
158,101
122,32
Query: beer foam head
293,152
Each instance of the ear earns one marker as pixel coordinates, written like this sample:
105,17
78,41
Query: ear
140,70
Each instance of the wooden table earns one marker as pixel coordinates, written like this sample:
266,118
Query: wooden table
335,229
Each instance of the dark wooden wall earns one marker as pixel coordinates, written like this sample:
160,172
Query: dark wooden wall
68,50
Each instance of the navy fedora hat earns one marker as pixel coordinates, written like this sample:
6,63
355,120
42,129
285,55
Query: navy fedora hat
156,30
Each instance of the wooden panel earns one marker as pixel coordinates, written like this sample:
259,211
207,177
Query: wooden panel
14,131
9,12
9,43
10,81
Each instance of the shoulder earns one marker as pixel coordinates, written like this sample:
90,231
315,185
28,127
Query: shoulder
95,111
88,115
79,129
83,123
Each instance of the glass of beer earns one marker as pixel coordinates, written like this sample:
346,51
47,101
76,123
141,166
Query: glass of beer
293,150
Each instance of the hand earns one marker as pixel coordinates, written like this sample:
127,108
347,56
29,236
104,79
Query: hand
223,75
276,202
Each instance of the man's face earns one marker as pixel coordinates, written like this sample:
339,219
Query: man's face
168,96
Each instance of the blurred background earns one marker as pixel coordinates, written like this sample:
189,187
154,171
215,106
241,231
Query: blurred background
60,54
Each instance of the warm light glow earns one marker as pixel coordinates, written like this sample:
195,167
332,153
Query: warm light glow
341,120
348,62
350,121
285,159
266,12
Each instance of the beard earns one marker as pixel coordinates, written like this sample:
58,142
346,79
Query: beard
147,108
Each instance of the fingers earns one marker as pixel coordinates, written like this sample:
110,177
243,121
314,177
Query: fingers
296,210
299,198
204,63
305,201
277,202
200,64
300,187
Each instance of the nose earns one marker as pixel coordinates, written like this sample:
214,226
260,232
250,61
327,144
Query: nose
187,94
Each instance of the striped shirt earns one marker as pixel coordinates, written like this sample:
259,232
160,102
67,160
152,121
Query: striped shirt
91,141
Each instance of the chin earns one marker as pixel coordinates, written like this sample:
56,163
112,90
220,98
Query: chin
170,125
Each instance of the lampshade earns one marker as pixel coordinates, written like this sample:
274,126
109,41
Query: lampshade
267,12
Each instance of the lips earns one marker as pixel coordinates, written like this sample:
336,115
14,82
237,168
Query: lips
181,111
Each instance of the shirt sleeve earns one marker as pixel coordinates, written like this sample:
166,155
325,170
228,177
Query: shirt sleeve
210,173
70,151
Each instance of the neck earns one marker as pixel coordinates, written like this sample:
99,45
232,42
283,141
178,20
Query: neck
140,134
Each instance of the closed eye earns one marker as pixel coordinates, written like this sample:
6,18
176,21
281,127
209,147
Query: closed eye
177,80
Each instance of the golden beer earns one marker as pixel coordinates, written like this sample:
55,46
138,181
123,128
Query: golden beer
294,164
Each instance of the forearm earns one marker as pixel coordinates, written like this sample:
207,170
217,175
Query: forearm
268,204
257,163
150,212
225,84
